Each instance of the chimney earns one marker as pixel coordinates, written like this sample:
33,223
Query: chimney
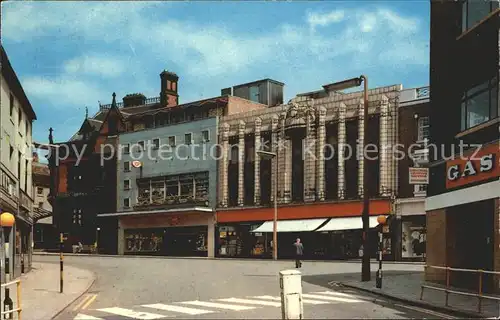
168,95
134,99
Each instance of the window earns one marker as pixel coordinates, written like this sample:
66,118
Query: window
11,152
479,104
40,205
254,94
126,148
141,145
205,135
126,202
19,117
473,11
26,128
144,193
126,185
11,103
171,141
423,128
39,190
188,138
126,166
156,143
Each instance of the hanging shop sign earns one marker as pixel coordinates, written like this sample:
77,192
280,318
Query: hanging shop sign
475,167
419,175
136,164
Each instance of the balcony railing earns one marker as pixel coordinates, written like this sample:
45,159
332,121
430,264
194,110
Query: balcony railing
120,104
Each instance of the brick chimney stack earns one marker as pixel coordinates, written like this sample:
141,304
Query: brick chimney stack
168,95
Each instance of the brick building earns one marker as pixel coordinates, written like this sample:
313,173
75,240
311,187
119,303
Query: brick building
319,191
463,196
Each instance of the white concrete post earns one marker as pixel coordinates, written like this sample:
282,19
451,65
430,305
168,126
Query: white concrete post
291,294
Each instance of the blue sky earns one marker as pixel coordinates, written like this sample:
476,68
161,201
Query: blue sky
70,55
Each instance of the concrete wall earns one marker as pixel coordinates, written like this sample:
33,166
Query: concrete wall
198,158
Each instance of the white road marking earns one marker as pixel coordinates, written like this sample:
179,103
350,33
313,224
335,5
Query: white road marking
256,302
166,307
337,299
303,300
132,314
82,316
434,313
218,305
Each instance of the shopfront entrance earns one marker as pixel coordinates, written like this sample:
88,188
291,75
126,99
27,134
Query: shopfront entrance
471,243
186,241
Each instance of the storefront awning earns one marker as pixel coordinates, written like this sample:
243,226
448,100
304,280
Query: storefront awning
347,223
291,225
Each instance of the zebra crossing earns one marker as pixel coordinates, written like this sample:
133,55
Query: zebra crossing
196,307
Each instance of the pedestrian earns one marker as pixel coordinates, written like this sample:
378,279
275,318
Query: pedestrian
299,251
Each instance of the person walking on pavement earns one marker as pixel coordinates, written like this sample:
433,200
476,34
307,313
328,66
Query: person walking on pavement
299,251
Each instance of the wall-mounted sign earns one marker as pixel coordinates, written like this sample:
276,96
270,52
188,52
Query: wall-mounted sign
475,167
419,175
136,164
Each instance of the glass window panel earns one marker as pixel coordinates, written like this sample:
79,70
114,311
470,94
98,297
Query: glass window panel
143,196
464,16
477,10
463,117
172,186
158,192
478,109
494,99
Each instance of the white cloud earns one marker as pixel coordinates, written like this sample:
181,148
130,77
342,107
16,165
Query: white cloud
95,64
315,19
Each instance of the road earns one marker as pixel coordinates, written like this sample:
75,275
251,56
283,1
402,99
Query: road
157,288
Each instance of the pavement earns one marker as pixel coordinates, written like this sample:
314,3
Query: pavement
40,296
405,287
158,288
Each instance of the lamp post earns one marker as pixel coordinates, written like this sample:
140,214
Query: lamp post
346,84
382,220
272,155
7,220
97,240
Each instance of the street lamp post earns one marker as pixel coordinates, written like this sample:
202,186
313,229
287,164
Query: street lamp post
346,84
97,240
382,220
7,220
272,155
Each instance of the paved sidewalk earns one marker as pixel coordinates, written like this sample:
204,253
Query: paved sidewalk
40,297
407,287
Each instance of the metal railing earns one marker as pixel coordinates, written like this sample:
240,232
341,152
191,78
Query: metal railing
17,307
479,295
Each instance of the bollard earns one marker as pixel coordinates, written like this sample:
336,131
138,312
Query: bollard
378,280
8,305
61,263
291,294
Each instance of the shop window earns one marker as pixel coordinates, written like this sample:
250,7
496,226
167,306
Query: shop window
146,241
413,238
479,104
144,193
158,192
473,11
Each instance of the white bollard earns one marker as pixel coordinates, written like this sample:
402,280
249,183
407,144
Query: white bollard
291,294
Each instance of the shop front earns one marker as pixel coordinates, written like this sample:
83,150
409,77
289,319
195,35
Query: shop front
185,233
410,229
328,230
463,222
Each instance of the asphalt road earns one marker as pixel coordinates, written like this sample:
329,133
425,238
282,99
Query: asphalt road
156,288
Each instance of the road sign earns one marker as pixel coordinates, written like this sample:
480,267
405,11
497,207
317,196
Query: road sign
419,175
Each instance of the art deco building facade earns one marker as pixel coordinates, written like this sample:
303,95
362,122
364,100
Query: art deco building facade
318,191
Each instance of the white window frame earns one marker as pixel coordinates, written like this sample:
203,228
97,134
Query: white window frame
127,166
191,140
124,205
124,184
421,127
208,135
153,143
175,141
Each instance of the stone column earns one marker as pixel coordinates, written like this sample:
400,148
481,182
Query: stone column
274,149
308,155
359,148
256,198
342,142
384,144
211,236
241,163
320,154
121,238
287,178
224,165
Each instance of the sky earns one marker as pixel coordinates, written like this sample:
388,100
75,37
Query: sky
71,55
